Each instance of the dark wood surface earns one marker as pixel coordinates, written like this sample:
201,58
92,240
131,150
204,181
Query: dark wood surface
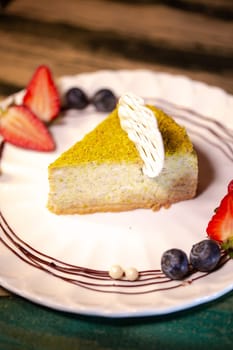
192,37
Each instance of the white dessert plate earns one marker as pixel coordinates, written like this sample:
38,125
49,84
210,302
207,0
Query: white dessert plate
63,261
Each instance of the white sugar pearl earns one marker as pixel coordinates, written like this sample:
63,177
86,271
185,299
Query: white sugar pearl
131,274
116,272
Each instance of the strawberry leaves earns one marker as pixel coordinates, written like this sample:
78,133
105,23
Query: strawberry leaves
228,246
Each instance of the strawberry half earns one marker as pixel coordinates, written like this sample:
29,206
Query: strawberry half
19,126
41,95
230,186
220,227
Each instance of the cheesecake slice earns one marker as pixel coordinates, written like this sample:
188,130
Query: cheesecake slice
103,171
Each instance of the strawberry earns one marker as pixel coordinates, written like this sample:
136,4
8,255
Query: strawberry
220,227
41,95
19,126
230,186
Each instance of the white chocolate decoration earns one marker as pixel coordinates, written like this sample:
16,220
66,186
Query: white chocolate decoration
131,274
116,272
141,126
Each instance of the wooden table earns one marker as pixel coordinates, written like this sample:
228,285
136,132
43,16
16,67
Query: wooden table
191,38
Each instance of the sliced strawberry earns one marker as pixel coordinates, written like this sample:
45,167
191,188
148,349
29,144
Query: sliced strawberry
19,126
230,186
41,95
220,227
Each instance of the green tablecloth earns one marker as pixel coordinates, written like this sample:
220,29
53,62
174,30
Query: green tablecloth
24,325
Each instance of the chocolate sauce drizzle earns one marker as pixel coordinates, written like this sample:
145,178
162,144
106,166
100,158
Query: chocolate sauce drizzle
96,280
220,136
2,144
149,281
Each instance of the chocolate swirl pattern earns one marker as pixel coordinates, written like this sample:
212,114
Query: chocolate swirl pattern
96,280
201,126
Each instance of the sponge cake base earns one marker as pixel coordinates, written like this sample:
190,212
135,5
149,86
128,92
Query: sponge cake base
91,187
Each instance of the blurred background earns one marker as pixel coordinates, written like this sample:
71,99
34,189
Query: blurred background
188,37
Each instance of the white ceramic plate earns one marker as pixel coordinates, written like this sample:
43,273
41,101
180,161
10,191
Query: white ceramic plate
41,262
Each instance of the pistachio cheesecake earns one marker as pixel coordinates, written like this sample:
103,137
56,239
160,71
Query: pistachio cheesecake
104,171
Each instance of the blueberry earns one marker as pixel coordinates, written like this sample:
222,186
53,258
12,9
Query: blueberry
104,100
205,255
174,264
76,98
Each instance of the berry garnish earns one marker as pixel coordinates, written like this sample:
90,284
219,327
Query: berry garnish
41,95
174,264
230,186
220,227
205,255
104,100
76,98
19,126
